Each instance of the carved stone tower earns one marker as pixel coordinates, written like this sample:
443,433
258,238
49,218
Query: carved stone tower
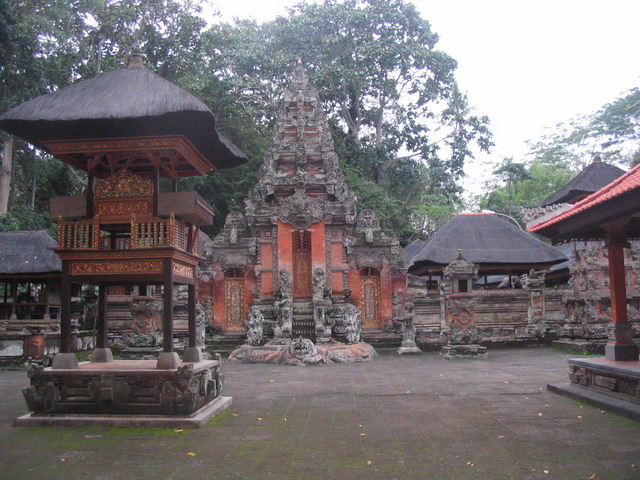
300,249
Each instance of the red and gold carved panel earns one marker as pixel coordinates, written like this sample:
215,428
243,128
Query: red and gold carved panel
124,184
301,264
234,303
115,267
123,207
370,301
183,270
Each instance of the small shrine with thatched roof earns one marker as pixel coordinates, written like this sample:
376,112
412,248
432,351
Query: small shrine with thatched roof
126,129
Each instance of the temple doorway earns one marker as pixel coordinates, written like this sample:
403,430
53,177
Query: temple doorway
234,298
301,243
370,291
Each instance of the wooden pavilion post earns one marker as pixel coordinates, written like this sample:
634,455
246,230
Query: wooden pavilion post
65,359
620,346
168,359
193,352
101,353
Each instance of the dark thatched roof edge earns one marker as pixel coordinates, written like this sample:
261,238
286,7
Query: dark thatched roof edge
28,252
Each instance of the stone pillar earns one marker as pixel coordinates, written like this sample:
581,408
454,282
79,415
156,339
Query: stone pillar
620,346
534,284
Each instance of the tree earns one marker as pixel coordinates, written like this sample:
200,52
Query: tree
613,132
400,122
521,185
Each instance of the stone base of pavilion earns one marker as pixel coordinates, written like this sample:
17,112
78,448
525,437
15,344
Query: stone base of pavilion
125,393
607,384
303,352
450,352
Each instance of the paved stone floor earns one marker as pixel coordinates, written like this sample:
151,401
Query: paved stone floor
395,418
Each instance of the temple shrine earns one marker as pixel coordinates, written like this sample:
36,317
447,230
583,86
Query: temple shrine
126,129
300,251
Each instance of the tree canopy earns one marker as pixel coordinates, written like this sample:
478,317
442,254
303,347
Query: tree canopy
402,127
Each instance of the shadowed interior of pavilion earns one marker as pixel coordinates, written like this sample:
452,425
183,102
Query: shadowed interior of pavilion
126,129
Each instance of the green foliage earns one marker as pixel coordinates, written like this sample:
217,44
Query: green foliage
613,132
403,130
518,185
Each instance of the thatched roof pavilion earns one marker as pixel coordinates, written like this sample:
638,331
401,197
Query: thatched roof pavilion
591,179
128,104
28,253
492,243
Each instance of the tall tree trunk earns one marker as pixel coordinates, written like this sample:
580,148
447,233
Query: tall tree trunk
33,178
5,175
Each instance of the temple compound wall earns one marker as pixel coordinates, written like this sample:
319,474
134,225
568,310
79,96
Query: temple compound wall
577,313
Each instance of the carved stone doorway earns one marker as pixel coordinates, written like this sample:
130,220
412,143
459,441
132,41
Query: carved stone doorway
234,299
370,291
301,243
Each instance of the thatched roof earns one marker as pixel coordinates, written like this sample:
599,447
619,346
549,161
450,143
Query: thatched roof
412,249
591,217
129,102
595,176
28,253
487,240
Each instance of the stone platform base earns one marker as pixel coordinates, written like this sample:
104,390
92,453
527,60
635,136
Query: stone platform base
196,420
303,352
615,379
124,387
450,352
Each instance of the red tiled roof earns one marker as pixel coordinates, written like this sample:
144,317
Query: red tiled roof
625,183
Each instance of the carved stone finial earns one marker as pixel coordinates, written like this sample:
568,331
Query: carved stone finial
299,75
136,59
459,256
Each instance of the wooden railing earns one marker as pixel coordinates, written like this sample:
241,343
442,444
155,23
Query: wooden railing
157,232
79,235
146,232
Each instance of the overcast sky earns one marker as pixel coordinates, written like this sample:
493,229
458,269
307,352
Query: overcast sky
526,64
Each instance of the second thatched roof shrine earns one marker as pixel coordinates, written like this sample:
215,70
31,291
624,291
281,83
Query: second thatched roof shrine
492,243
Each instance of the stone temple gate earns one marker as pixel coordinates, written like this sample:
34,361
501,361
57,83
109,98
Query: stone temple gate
300,251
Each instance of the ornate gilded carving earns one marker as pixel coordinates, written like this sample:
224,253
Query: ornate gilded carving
183,270
234,303
124,184
370,289
123,207
115,267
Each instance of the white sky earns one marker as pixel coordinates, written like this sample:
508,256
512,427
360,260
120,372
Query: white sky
526,64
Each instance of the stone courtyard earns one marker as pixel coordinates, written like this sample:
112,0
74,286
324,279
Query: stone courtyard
393,418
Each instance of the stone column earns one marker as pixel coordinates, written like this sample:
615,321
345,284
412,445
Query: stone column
620,346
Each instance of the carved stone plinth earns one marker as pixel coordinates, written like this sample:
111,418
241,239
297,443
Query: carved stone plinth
450,352
408,347
101,355
302,351
128,387
615,379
